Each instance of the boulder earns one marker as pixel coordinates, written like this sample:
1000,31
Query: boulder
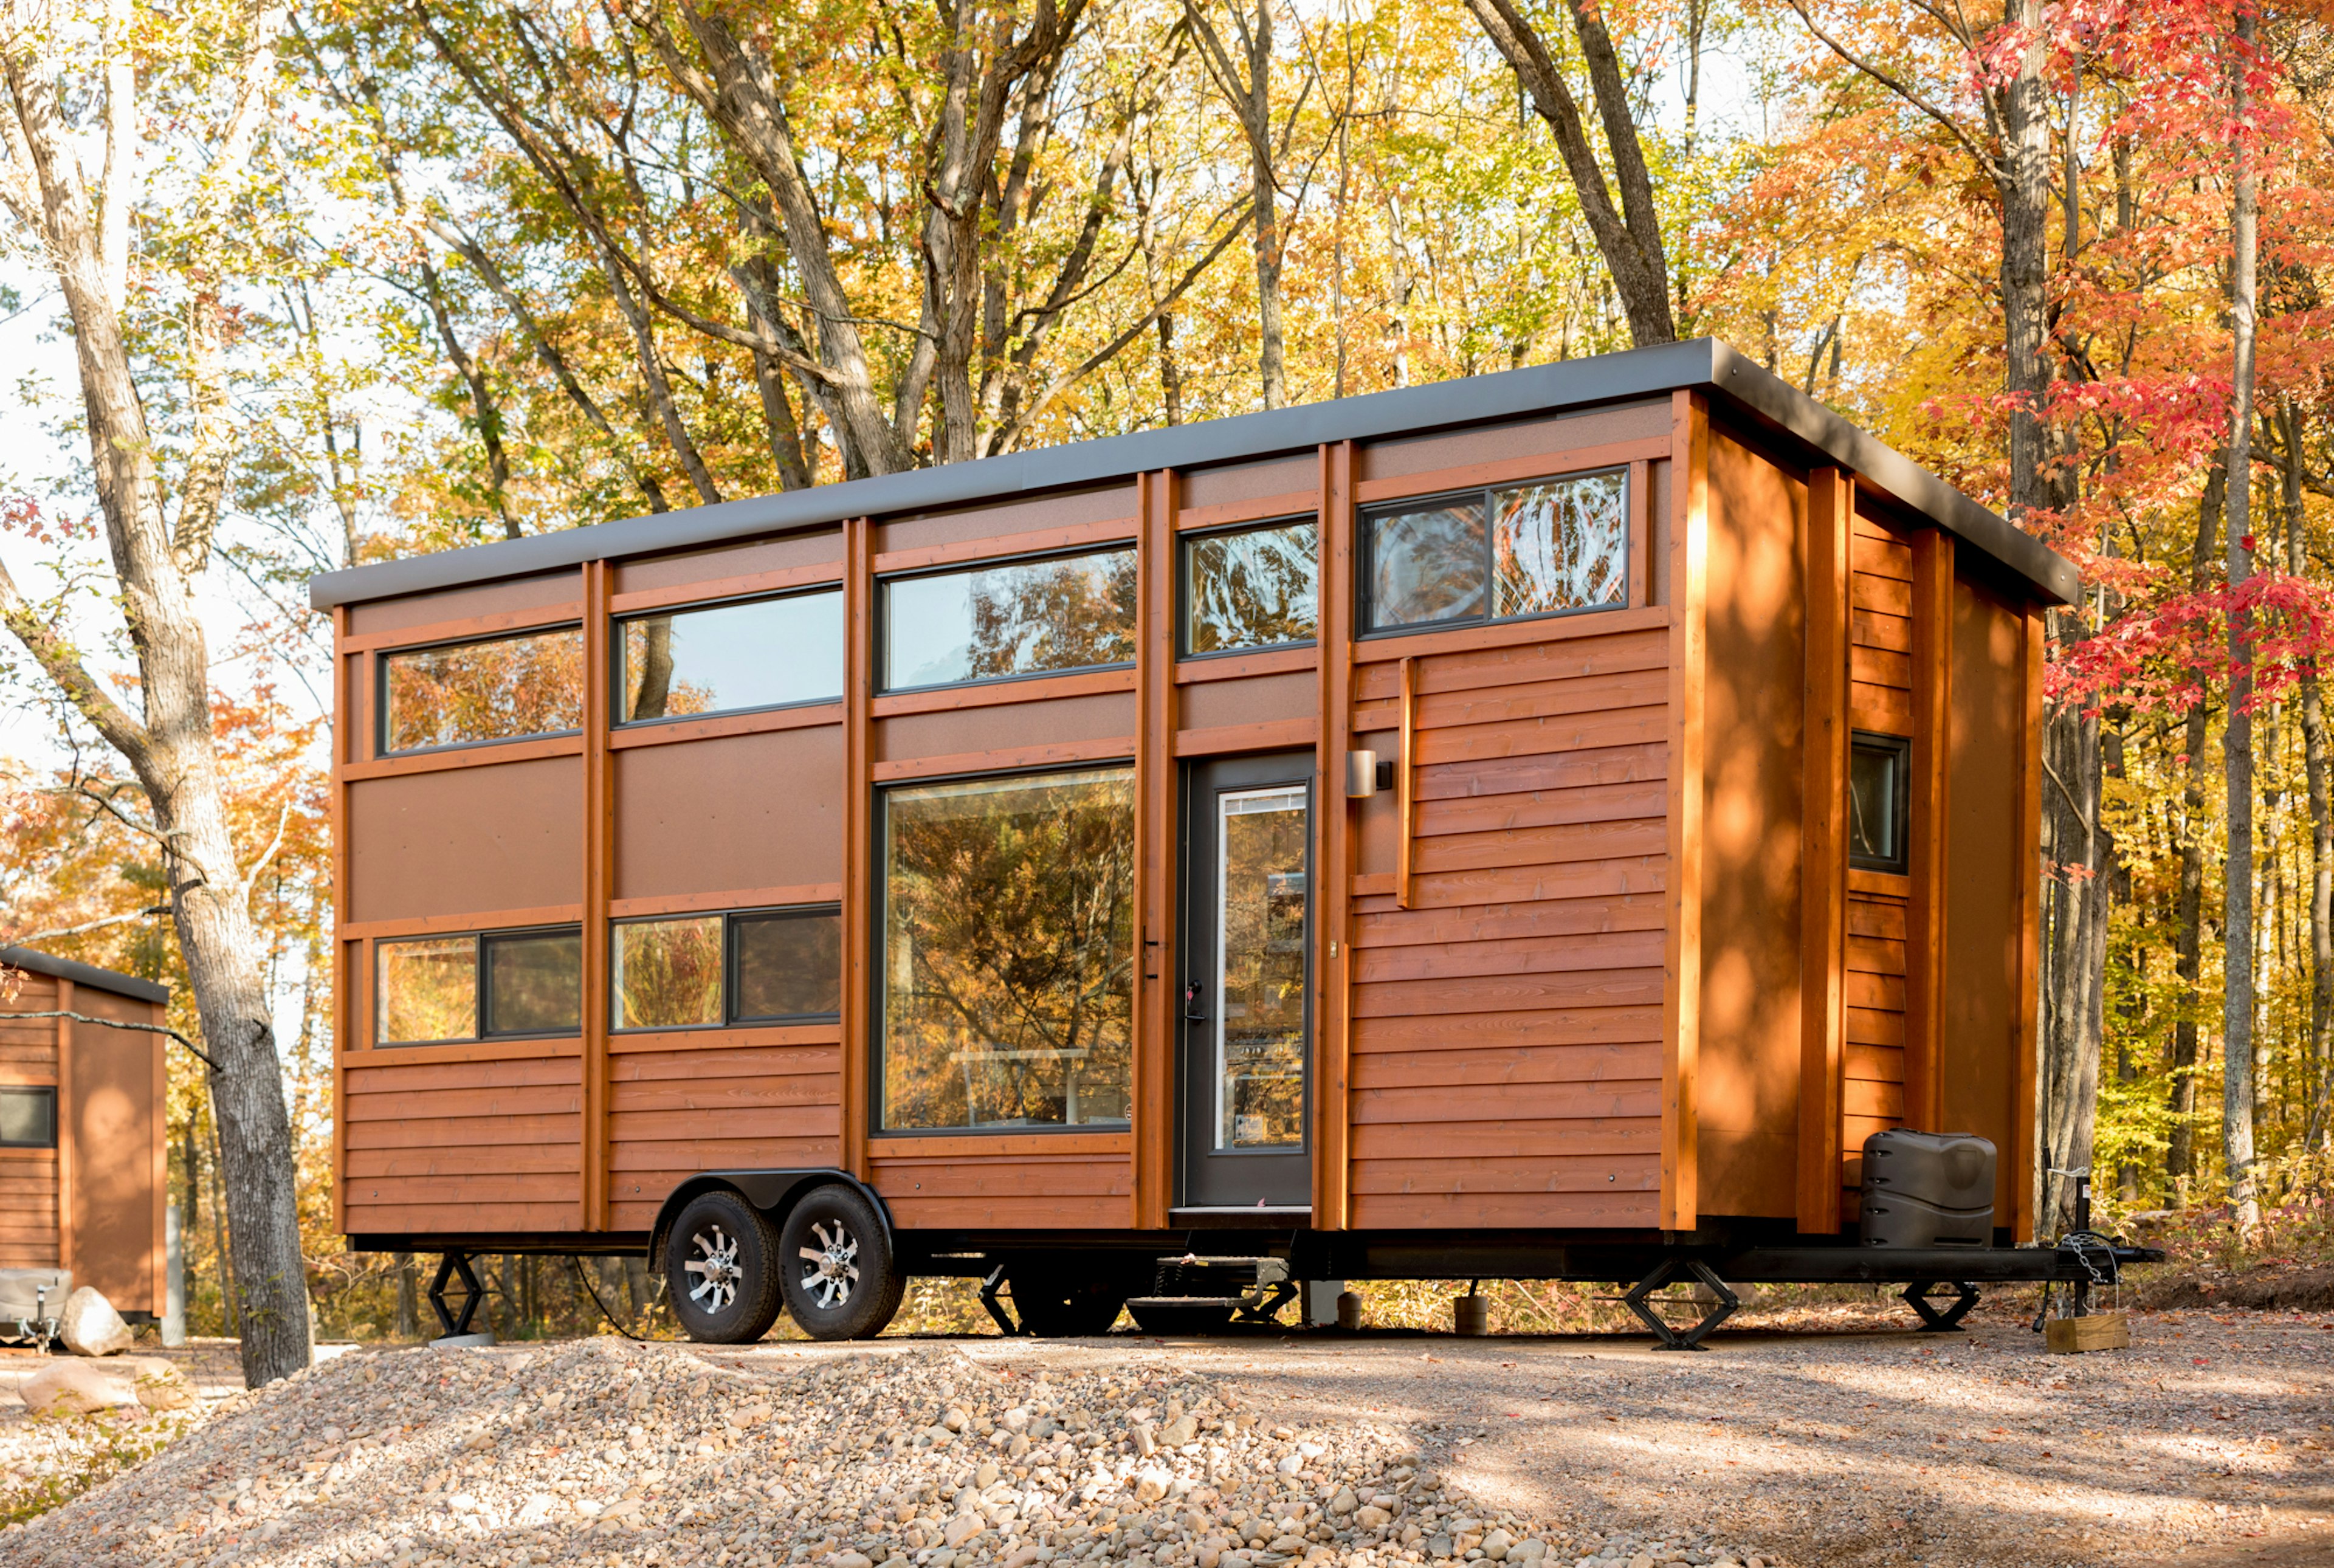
162,1386
89,1325
64,1388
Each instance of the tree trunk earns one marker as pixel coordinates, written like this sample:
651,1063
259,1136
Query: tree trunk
2188,964
2320,1047
2236,738
2075,926
1246,84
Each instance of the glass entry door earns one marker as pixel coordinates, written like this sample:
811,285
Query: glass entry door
1247,1031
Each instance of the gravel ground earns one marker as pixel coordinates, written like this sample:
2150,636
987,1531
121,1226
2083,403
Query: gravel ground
2207,1442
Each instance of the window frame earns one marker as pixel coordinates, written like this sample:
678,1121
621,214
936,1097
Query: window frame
1366,539
878,916
1183,545
49,1090
383,657
730,1018
480,985
1900,747
880,615
617,694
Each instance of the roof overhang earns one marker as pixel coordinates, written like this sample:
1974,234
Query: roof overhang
1704,364
80,974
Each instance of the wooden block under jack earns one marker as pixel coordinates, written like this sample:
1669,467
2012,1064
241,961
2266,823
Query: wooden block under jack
2099,1331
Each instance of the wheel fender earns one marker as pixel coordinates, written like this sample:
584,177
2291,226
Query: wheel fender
772,1192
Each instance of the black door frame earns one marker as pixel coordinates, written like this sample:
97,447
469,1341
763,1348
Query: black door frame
1201,780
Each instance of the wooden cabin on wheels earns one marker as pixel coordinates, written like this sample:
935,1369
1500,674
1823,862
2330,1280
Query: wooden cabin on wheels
1532,826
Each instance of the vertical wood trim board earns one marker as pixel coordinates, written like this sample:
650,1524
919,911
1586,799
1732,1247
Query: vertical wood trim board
158,1256
1641,532
1682,955
1157,852
1823,865
2025,1161
1333,1109
66,1142
1925,966
1406,788
342,1014
858,847
599,857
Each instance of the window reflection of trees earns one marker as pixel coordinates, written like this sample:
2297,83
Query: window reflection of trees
667,973
1251,590
1009,951
475,691
428,990
1020,618
1559,545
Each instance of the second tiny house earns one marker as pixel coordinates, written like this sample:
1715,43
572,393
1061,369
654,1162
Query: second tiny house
1437,832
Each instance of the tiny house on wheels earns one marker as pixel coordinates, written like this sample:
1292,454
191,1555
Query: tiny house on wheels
1532,826
83,1132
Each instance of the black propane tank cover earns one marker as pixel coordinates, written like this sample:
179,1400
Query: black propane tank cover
1927,1189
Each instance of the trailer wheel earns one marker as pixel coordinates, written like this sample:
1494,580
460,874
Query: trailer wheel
837,1268
1055,1305
720,1262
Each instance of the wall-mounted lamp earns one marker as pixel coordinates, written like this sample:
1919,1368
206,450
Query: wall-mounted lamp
1366,774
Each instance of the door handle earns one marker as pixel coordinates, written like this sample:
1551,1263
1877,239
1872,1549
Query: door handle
1191,990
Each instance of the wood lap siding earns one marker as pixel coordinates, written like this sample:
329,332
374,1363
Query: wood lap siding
1880,700
455,1146
1080,1191
28,1176
1880,629
1506,1029
775,1100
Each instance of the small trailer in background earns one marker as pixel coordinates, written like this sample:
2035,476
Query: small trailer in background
83,1139
1536,825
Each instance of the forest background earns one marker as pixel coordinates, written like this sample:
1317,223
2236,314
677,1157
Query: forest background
395,278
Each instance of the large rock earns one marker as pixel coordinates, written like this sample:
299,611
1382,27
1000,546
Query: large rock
77,1387
89,1325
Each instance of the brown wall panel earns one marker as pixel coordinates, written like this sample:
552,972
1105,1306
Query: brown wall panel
735,1101
1754,718
28,1208
1246,481
806,549
115,1125
507,836
464,1145
1982,1041
1392,459
1104,716
1018,517
550,587
747,811
1206,704
1080,1191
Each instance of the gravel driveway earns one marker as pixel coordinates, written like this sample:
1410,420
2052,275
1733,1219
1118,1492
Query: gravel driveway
2205,1443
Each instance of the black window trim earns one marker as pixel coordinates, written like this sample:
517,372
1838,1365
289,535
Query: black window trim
50,1092
616,624
1184,541
879,615
1901,747
879,909
381,661
482,980
730,1018
1365,557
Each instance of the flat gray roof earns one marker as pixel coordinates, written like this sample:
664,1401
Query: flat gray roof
80,974
1704,364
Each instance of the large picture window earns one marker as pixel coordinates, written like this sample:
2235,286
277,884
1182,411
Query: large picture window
437,990
751,966
1508,552
769,653
1009,617
1008,982
468,692
1250,588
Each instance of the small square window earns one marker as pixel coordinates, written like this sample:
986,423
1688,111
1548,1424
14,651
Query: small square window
1878,791
1506,552
786,964
28,1117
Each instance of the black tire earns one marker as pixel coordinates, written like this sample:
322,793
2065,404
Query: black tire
721,1268
1055,1302
837,1268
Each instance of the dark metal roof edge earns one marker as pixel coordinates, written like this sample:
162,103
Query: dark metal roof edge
1605,379
1788,408
82,974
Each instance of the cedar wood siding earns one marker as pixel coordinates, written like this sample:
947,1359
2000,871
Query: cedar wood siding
1506,1044
28,1176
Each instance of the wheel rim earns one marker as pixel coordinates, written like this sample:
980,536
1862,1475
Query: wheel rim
716,1268
831,1268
